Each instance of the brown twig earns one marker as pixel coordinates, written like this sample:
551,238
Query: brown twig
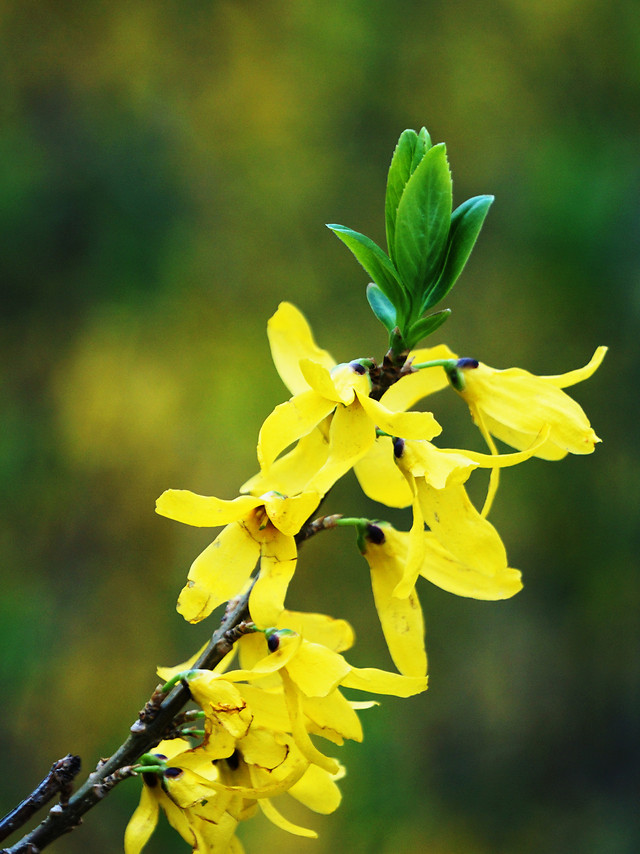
59,779
146,732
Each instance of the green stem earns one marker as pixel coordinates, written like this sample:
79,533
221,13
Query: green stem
447,364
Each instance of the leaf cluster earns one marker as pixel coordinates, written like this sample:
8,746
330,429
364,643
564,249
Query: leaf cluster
428,243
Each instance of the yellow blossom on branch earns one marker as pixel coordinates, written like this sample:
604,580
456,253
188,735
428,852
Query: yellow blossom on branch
256,529
514,405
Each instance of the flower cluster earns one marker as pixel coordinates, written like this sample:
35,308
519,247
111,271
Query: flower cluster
261,719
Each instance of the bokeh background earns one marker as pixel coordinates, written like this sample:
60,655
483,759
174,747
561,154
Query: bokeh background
166,170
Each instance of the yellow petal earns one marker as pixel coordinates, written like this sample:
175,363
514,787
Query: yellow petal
580,374
456,524
379,476
289,514
142,823
317,790
441,568
413,387
318,377
260,747
317,670
291,340
401,619
271,663
439,468
289,422
204,511
516,406
319,628
350,378
269,709
415,553
409,425
352,434
290,473
219,573
223,703
382,682
283,823
333,713
277,566
298,729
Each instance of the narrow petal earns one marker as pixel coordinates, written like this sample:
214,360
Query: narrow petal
277,566
318,377
290,473
415,553
379,476
382,682
142,823
580,374
413,387
219,573
289,422
439,468
409,425
401,619
204,511
352,434
291,340
298,729
283,823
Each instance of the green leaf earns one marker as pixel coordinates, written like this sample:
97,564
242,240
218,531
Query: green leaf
381,307
408,153
422,223
425,326
376,263
466,222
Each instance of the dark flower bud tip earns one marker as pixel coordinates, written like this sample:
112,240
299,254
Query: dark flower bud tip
273,642
398,447
173,773
358,368
375,534
467,363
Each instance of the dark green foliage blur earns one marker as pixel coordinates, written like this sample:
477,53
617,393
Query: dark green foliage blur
166,170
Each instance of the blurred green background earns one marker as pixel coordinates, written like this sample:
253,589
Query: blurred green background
166,170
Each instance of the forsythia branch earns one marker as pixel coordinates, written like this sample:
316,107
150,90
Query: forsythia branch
146,732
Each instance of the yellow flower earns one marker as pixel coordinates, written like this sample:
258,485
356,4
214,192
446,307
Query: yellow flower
256,529
514,405
333,398
179,792
459,534
308,675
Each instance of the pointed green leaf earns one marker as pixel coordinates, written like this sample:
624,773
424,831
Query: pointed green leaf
425,326
408,153
381,307
422,223
376,263
466,222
